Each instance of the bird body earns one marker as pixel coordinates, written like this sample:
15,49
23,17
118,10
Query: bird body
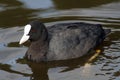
63,41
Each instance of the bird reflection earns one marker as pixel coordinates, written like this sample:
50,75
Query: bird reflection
39,71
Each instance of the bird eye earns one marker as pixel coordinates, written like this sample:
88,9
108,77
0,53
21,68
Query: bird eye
33,30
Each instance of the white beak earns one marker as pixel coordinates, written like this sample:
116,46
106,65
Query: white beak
25,35
24,39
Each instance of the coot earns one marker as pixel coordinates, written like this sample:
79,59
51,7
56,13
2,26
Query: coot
61,41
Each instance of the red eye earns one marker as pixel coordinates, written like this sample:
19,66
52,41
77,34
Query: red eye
33,30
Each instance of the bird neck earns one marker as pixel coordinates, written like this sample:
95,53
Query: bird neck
37,50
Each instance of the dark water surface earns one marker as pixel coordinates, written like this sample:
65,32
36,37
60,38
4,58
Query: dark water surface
14,14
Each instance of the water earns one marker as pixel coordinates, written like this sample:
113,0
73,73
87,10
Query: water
15,14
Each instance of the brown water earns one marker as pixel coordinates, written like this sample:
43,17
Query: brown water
14,14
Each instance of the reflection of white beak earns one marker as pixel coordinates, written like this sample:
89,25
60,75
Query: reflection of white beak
25,36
